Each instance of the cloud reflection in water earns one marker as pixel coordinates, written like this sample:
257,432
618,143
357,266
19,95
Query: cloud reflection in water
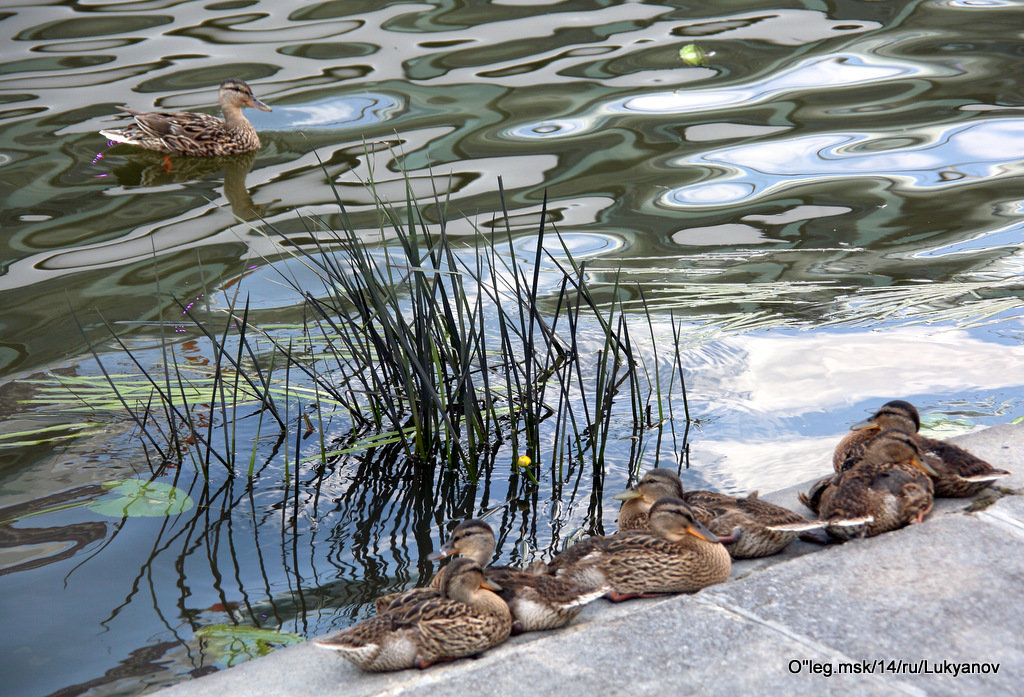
941,157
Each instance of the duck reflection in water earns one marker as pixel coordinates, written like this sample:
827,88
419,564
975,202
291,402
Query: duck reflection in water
143,168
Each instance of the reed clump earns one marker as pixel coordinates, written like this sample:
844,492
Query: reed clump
426,349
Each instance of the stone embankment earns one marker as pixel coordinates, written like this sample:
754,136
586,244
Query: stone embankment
933,609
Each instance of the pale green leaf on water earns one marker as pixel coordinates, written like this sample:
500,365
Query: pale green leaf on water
941,426
231,643
138,498
692,54
48,434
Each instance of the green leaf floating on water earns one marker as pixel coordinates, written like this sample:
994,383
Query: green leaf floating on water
692,54
941,426
231,643
137,498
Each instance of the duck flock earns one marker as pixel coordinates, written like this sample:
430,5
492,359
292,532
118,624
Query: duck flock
669,541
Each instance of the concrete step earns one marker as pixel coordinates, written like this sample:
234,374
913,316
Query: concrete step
932,609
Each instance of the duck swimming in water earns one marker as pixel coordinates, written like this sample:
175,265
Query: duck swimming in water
193,133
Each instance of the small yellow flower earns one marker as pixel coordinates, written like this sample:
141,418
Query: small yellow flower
523,461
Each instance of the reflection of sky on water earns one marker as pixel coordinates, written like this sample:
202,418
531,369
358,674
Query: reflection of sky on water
343,111
789,378
1009,236
798,373
935,158
767,465
723,130
725,234
843,70
822,73
976,4
796,214
579,245
551,128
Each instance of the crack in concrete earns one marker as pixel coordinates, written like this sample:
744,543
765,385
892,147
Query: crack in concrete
716,601
1002,520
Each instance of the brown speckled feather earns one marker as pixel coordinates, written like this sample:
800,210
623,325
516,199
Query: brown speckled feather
958,472
885,490
721,513
399,599
463,619
676,556
537,601
897,414
812,499
755,520
194,133
541,602
961,474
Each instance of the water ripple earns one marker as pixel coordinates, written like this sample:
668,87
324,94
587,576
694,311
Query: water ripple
932,158
821,73
550,128
343,111
226,30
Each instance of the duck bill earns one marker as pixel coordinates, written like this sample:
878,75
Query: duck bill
491,586
866,425
440,554
697,529
923,465
257,104
627,495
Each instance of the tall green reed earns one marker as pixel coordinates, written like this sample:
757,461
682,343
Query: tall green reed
453,353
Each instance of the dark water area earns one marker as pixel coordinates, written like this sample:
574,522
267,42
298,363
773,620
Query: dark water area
827,195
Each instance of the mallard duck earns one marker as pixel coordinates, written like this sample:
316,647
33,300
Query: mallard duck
888,487
537,602
958,473
192,133
677,555
636,504
763,528
812,499
473,539
464,618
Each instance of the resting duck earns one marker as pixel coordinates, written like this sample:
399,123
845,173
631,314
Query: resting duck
763,528
677,555
888,487
537,601
192,133
958,473
464,618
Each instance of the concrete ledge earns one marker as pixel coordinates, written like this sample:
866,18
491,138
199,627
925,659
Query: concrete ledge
897,614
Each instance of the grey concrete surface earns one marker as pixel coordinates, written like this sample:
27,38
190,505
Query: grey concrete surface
895,614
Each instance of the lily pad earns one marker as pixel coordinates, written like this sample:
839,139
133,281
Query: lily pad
231,643
137,498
